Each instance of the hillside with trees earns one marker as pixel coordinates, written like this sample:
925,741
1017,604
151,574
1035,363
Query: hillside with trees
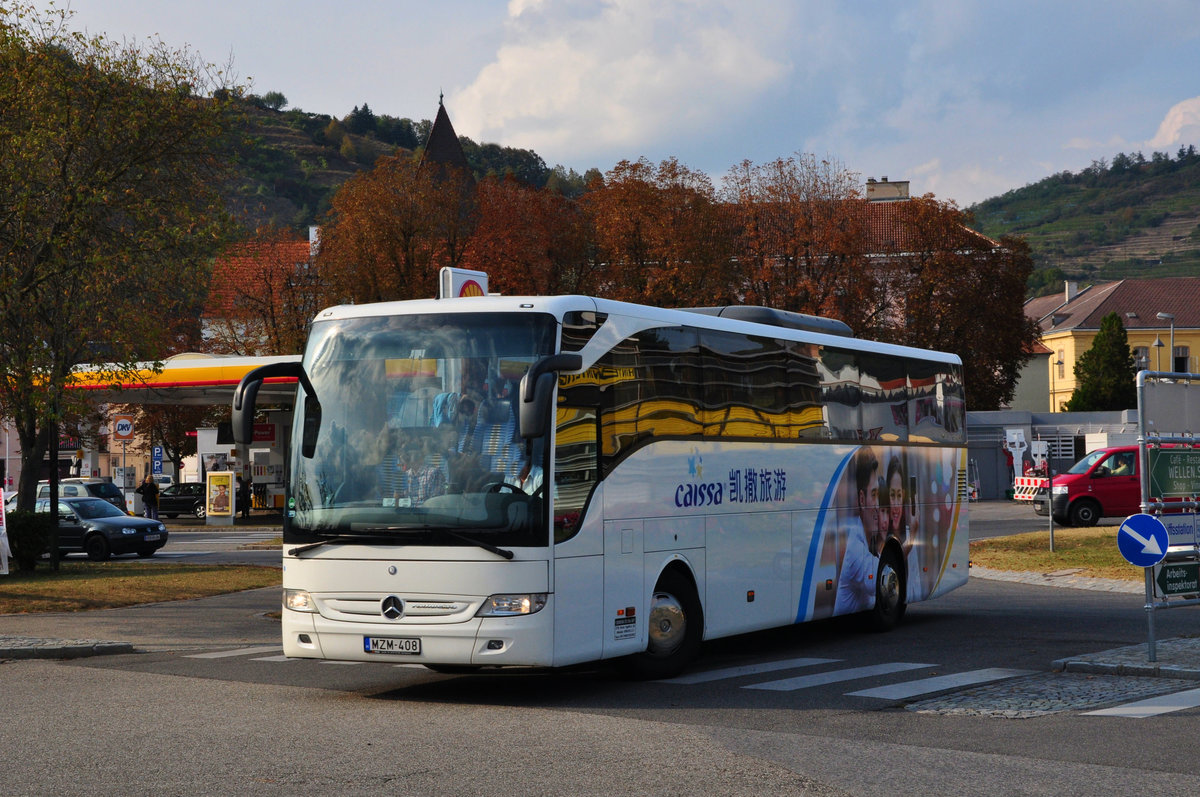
1131,217
290,162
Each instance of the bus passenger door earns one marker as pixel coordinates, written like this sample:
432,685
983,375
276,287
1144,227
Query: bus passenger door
624,622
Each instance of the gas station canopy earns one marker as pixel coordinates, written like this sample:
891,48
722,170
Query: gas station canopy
197,379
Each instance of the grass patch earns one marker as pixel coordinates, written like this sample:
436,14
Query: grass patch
1092,551
83,586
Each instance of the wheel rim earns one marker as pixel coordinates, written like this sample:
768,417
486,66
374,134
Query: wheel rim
96,548
667,626
889,588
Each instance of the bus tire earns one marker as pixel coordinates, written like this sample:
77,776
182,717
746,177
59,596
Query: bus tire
675,628
890,591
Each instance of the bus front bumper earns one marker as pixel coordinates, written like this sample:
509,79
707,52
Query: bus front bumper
522,640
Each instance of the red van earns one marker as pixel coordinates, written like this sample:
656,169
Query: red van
1105,483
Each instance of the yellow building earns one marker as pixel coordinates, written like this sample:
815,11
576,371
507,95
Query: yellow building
1161,318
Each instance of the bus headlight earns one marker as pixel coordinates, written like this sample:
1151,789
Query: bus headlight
298,600
512,605
1060,489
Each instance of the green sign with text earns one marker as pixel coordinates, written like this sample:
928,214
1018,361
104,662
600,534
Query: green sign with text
1174,472
1179,579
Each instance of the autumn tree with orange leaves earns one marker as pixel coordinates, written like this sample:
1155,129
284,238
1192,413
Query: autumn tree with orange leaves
794,233
660,235
951,289
529,241
390,230
803,240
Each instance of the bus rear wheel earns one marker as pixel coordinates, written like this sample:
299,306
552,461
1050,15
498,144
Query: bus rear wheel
889,591
675,627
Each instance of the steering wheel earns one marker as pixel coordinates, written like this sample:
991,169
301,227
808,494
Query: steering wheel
496,487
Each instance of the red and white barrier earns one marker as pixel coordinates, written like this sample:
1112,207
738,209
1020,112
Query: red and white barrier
1025,487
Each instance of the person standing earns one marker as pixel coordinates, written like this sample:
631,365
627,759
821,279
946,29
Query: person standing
244,493
148,490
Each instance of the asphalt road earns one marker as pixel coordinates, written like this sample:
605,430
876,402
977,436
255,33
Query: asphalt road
209,705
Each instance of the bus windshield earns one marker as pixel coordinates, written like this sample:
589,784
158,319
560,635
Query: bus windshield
418,442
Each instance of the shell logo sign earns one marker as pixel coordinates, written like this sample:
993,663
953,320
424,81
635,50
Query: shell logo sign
458,282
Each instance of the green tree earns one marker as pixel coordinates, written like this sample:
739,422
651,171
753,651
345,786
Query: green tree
275,100
1105,373
110,208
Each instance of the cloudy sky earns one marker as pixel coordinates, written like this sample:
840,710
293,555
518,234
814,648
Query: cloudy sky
964,98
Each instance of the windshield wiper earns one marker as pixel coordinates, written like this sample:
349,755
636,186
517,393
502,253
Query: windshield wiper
341,538
397,532
487,546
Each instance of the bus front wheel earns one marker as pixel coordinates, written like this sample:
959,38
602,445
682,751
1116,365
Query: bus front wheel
675,627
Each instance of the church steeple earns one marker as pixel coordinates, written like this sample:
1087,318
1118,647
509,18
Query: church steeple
443,149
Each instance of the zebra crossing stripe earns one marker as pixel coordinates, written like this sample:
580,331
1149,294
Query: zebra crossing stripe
1152,707
939,683
280,657
746,669
221,654
836,676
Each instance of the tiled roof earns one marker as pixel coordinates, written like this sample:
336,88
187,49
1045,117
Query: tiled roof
243,272
888,231
1137,302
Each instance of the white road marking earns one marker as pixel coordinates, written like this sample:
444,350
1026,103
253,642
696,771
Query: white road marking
1153,706
835,676
938,683
746,669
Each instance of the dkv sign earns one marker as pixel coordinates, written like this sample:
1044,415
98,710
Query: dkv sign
123,427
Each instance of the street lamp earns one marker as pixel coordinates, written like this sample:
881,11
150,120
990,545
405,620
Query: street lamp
1158,344
1170,317
1054,366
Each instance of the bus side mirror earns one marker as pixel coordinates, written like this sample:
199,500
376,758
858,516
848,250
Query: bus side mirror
537,390
246,394
312,425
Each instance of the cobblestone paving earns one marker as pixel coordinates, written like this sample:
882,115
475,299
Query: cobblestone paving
1047,693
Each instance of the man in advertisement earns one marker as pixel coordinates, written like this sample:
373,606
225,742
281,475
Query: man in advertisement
856,579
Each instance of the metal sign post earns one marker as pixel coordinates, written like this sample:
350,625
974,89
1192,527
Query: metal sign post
1050,501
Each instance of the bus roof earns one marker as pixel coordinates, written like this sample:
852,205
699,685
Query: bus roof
785,325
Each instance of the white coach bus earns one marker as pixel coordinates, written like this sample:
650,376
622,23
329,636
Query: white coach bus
544,481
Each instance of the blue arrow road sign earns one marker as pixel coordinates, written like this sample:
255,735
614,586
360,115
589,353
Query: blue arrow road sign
1142,540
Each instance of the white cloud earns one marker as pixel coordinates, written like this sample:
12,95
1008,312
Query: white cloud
616,76
1181,125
